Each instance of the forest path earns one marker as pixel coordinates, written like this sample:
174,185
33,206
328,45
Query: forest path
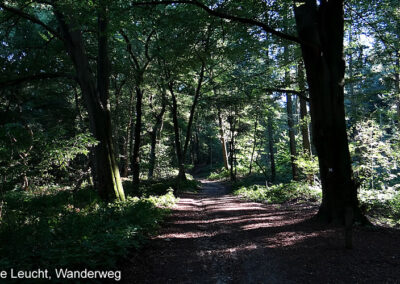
214,237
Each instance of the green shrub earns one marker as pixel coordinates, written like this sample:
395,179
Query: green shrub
161,186
219,174
280,193
382,205
60,229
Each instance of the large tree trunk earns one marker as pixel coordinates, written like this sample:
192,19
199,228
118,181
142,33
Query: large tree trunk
105,169
138,130
178,147
321,30
222,139
270,132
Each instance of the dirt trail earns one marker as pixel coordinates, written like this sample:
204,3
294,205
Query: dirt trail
213,237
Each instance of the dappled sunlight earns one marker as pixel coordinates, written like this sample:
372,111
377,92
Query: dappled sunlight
229,251
286,239
218,238
186,204
186,235
231,220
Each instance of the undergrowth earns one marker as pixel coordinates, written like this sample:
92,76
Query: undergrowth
382,206
280,193
59,228
160,186
219,174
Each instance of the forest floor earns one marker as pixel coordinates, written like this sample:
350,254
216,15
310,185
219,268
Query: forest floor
214,237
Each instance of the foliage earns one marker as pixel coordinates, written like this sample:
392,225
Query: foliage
374,155
280,193
382,205
219,174
43,156
161,186
54,227
307,164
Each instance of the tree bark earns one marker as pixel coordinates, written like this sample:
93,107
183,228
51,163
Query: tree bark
105,169
292,138
289,111
128,139
232,126
254,144
193,108
178,147
222,139
303,112
323,29
270,132
117,135
397,87
153,136
197,148
138,130
303,118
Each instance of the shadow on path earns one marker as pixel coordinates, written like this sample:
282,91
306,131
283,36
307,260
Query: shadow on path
213,237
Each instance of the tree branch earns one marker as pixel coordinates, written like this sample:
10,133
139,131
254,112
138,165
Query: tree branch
129,49
298,93
146,52
223,15
30,18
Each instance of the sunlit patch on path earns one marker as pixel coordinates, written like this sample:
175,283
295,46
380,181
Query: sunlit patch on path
214,237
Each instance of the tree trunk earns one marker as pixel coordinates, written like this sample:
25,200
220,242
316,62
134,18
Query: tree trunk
289,111
153,137
322,28
303,120
197,148
254,144
105,169
270,131
78,109
303,112
231,120
178,148
292,138
128,139
397,87
117,135
138,130
222,139
353,99
193,108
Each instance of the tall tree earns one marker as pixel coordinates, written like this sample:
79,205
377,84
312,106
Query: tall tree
321,28
95,93
139,70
